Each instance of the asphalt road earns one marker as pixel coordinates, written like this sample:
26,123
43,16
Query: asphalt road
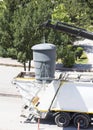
7,73
10,106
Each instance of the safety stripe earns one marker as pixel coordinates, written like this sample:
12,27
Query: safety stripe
71,111
25,79
64,111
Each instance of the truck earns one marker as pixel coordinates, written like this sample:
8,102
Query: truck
65,96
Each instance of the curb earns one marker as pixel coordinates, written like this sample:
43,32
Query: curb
10,95
3,64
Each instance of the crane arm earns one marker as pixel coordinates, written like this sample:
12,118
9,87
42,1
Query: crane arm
64,27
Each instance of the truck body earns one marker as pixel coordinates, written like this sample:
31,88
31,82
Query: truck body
71,97
68,97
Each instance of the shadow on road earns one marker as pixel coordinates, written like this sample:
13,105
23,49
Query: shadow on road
76,67
50,122
71,127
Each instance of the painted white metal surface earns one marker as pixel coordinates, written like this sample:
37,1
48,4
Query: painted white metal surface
47,94
28,89
74,96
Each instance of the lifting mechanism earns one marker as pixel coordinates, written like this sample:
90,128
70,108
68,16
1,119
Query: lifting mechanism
64,27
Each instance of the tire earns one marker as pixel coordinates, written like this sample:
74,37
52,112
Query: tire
82,119
62,119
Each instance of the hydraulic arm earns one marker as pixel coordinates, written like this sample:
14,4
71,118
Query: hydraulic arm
64,27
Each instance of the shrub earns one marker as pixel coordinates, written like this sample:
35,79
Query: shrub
69,59
66,54
78,52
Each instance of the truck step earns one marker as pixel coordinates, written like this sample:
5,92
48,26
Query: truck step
29,119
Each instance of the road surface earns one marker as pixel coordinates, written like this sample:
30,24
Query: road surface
7,73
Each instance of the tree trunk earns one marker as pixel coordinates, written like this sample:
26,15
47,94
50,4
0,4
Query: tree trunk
24,66
29,65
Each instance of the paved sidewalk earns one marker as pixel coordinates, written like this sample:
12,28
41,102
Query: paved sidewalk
76,67
10,62
9,68
7,73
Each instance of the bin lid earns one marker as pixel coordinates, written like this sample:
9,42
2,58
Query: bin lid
43,46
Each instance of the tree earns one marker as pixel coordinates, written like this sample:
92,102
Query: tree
27,21
2,8
6,25
90,14
60,13
77,11
20,24
74,12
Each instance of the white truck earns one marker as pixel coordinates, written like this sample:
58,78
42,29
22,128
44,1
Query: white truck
68,98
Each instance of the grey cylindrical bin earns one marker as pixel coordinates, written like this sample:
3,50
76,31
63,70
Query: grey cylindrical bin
44,56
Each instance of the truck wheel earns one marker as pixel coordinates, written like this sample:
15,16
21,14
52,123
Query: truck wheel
82,119
62,119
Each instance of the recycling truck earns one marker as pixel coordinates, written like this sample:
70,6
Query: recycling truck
65,96
65,99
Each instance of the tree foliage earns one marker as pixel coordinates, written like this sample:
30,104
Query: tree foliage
27,23
21,20
78,52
